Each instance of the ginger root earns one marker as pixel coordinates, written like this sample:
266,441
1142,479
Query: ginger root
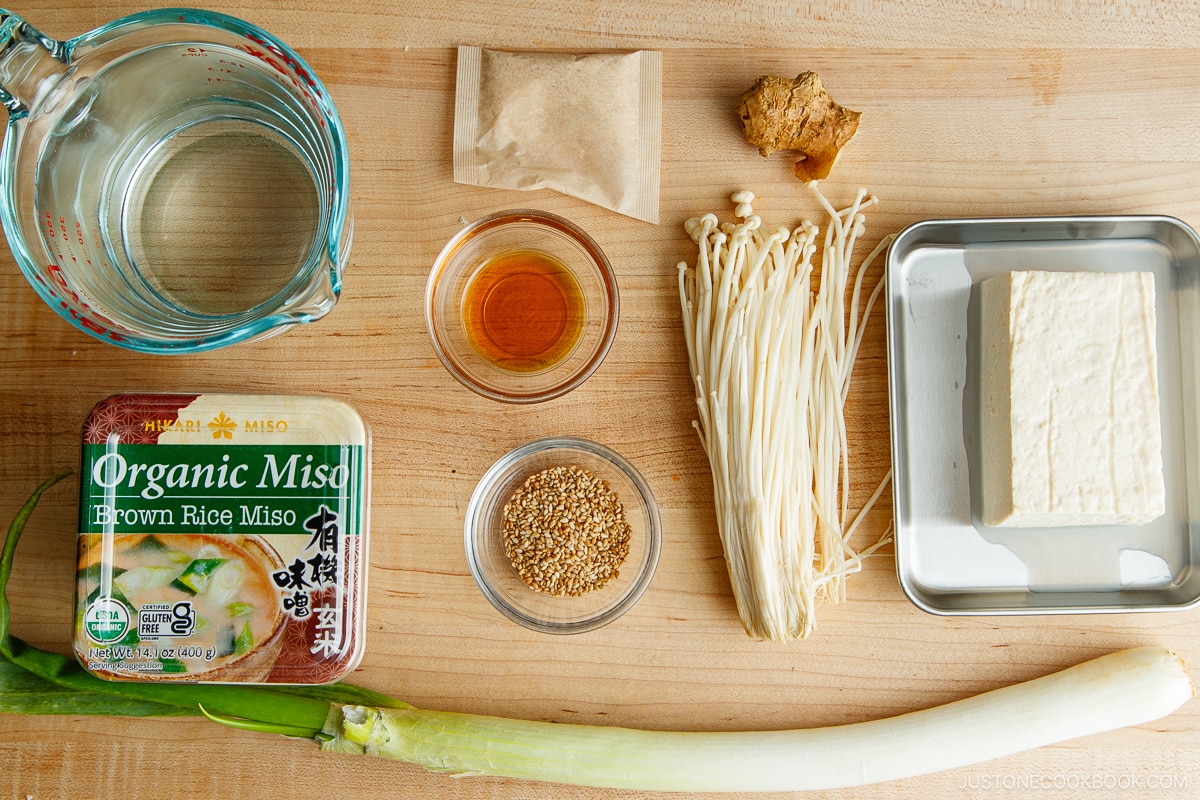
782,114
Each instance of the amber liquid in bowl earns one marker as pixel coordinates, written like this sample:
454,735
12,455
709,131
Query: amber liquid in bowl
523,311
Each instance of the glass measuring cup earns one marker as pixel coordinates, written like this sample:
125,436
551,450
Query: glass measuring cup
174,181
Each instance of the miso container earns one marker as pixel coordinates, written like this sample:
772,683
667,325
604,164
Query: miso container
223,539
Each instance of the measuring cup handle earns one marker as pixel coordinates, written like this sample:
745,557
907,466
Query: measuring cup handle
30,62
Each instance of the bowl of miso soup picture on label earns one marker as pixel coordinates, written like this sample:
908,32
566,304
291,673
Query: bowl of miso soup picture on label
178,599
222,539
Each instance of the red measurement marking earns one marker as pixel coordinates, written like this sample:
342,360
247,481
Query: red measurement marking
291,69
274,49
55,272
42,281
99,325
94,327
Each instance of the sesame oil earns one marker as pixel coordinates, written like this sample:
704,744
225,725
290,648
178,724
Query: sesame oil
523,311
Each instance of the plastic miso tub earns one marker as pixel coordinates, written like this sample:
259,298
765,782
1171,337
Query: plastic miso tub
222,539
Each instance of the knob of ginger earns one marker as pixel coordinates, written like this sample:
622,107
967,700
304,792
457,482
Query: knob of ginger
799,115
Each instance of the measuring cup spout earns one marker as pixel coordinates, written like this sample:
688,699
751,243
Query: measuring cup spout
30,63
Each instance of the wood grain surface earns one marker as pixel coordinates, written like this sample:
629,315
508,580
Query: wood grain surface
969,109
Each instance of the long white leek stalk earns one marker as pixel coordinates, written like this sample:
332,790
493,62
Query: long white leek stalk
1131,687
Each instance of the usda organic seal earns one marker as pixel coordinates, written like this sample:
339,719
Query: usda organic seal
106,620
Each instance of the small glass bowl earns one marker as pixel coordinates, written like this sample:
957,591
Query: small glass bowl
497,578
503,233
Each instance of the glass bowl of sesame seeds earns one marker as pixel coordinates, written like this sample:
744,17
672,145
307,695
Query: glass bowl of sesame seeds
562,535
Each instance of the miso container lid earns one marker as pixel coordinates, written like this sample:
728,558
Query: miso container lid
223,539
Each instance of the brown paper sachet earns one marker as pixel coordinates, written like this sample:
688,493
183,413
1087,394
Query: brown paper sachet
587,125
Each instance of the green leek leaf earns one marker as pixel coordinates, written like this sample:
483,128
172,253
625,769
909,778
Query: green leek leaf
10,546
22,692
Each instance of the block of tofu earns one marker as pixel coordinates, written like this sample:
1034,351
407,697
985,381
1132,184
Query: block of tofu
1069,417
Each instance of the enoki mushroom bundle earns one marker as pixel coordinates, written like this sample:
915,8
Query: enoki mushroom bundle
772,361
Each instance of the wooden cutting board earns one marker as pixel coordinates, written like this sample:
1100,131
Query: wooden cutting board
945,133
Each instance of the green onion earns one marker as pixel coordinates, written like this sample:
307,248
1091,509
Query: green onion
244,642
239,609
197,574
1132,687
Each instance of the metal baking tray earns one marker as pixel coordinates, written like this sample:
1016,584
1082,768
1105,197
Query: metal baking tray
947,560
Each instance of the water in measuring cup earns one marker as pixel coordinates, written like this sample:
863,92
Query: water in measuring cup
180,180
221,218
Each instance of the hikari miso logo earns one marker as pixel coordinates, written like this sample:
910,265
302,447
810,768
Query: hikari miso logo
222,427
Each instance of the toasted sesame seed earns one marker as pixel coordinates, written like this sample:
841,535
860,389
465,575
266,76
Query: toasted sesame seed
565,532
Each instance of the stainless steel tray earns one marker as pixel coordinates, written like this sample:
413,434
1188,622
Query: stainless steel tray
947,561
